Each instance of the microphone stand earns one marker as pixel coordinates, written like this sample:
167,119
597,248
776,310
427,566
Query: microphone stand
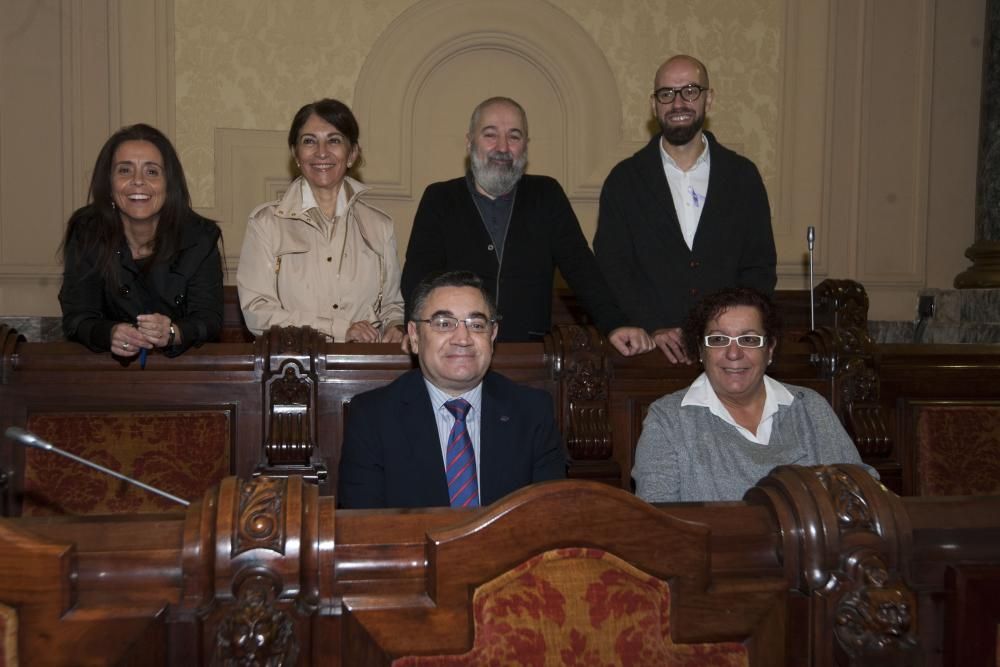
31,440
811,242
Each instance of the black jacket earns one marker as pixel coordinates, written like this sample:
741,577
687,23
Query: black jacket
449,234
187,288
654,275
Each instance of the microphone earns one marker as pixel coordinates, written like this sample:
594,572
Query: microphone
811,243
29,439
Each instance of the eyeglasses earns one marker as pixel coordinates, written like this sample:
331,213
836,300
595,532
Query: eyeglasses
689,93
746,340
447,324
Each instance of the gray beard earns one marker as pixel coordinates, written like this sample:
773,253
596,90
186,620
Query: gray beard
496,179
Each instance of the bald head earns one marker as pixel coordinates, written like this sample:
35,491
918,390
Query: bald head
687,67
685,101
498,101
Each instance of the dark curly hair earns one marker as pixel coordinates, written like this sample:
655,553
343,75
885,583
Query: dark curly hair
717,303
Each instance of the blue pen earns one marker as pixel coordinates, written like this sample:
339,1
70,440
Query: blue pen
142,353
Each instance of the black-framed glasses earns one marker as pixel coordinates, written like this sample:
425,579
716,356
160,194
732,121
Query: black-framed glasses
689,93
746,340
448,324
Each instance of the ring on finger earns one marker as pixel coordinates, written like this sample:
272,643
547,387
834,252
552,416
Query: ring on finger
124,346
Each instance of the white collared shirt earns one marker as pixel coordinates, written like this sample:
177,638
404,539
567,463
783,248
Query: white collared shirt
701,394
688,189
445,420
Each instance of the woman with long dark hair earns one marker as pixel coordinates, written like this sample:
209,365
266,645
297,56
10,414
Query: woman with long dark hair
142,270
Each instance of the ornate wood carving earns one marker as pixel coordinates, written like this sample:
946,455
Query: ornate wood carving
290,403
847,355
842,304
585,376
256,633
360,587
852,541
290,429
261,522
878,614
862,413
849,503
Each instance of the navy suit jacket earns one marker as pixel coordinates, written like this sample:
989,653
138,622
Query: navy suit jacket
641,250
391,455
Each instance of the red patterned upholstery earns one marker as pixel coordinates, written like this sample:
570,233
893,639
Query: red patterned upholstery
8,636
183,453
958,449
578,607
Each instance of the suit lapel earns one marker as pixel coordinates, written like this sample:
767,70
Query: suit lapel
496,428
419,430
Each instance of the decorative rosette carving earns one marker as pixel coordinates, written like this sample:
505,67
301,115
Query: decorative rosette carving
587,383
291,387
878,616
256,633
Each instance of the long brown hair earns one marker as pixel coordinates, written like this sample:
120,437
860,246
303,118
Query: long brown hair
97,229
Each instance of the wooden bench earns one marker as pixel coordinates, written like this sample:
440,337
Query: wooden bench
818,566
277,406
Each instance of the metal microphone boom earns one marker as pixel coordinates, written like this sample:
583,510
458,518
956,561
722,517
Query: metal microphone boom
811,242
31,440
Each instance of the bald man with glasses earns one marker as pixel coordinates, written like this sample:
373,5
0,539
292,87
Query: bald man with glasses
684,216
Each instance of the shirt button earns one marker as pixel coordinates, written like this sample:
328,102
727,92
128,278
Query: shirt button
335,306
178,299
124,290
329,259
489,247
694,264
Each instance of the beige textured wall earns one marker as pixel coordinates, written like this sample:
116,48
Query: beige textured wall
857,112
252,73
250,65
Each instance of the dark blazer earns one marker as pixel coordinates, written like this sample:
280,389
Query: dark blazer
639,245
391,455
187,288
449,234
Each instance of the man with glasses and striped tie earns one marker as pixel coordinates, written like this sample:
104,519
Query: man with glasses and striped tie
684,216
451,433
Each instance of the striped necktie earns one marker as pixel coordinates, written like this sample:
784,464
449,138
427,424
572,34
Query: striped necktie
463,491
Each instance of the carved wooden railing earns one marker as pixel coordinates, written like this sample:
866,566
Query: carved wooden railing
846,354
819,566
287,394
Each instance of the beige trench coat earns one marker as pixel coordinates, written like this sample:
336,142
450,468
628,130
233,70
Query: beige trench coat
292,274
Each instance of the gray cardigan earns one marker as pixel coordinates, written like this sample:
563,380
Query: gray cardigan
689,454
